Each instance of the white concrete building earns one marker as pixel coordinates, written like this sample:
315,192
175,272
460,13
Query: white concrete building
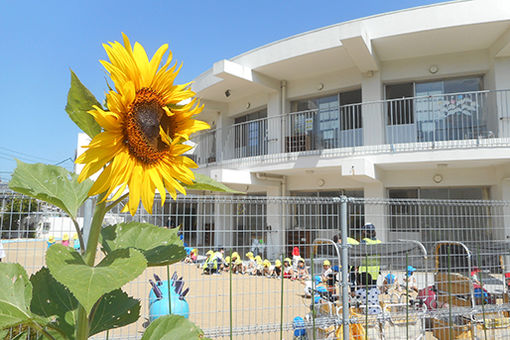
407,104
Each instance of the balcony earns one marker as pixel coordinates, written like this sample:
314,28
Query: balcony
446,121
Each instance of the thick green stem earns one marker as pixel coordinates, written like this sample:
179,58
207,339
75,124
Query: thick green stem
95,230
82,325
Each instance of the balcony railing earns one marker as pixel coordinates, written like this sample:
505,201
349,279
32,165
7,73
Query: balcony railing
467,119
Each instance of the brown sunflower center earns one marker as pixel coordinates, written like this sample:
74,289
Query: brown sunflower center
141,133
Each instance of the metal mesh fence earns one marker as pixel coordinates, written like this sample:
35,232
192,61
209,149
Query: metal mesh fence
424,269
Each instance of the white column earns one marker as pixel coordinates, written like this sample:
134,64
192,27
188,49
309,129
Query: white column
372,113
276,219
376,213
224,137
502,82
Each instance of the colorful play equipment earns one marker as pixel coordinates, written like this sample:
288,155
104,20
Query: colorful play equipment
159,299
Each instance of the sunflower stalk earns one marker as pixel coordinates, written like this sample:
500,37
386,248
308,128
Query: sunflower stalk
82,326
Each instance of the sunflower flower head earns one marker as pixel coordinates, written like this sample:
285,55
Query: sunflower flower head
141,144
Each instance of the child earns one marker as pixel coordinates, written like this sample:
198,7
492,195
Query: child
250,264
266,270
368,295
326,270
295,257
235,256
194,255
210,265
301,271
277,270
65,240
237,266
51,241
388,283
409,280
288,273
227,264
259,265
76,242
219,255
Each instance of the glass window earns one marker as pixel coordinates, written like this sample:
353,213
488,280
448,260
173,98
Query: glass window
350,115
400,110
462,85
250,134
433,221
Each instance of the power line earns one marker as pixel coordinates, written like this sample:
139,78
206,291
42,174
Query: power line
27,154
23,158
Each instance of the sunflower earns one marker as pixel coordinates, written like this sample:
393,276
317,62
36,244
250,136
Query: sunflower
141,144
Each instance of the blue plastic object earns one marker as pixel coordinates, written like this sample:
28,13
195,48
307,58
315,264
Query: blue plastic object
390,278
159,307
318,279
319,289
299,326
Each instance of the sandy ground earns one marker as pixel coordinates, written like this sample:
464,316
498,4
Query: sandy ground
256,301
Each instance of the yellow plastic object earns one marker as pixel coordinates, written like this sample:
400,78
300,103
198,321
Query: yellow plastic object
356,330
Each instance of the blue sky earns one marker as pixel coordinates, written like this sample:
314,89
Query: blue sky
41,40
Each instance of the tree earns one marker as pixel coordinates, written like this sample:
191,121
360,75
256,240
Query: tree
16,218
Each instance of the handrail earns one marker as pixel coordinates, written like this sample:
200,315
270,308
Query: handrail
343,129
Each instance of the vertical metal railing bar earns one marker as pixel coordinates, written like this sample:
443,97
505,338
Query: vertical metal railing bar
482,297
345,262
450,320
314,335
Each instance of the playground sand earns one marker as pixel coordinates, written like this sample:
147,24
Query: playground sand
255,300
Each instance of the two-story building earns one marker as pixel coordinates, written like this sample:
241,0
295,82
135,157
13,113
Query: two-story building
407,104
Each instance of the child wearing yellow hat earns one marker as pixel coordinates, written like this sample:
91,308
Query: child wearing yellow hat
250,264
237,265
65,240
277,270
326,270
76,242
210,265
266,268
51,241
259,265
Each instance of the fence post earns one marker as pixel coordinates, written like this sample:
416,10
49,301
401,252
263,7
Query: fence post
345,284
88,212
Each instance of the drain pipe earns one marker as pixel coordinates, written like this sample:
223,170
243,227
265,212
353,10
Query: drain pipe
283,111
283,87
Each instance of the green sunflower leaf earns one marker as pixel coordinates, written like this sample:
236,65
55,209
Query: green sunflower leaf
15,295
88,284
115,309
52,184
51,298
160,246
79,101
203,182
172,327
